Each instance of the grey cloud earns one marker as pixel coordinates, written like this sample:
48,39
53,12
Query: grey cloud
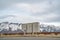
6,3
25,1
54,9
54,19
5,16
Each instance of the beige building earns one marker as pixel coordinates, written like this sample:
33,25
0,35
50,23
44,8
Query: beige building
31,27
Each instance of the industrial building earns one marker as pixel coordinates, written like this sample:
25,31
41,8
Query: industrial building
30,27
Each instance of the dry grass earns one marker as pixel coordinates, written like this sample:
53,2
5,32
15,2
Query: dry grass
32,35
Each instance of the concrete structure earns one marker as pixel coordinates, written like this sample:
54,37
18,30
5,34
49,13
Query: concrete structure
31,27
36,27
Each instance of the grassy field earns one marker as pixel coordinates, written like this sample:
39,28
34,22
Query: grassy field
32,35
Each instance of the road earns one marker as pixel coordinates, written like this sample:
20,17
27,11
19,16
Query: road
29,38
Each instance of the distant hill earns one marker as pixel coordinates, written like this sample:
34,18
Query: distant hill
6,27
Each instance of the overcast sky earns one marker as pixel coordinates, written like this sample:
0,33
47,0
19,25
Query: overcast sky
44,11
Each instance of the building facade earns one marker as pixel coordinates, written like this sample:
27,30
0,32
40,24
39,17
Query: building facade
30,27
